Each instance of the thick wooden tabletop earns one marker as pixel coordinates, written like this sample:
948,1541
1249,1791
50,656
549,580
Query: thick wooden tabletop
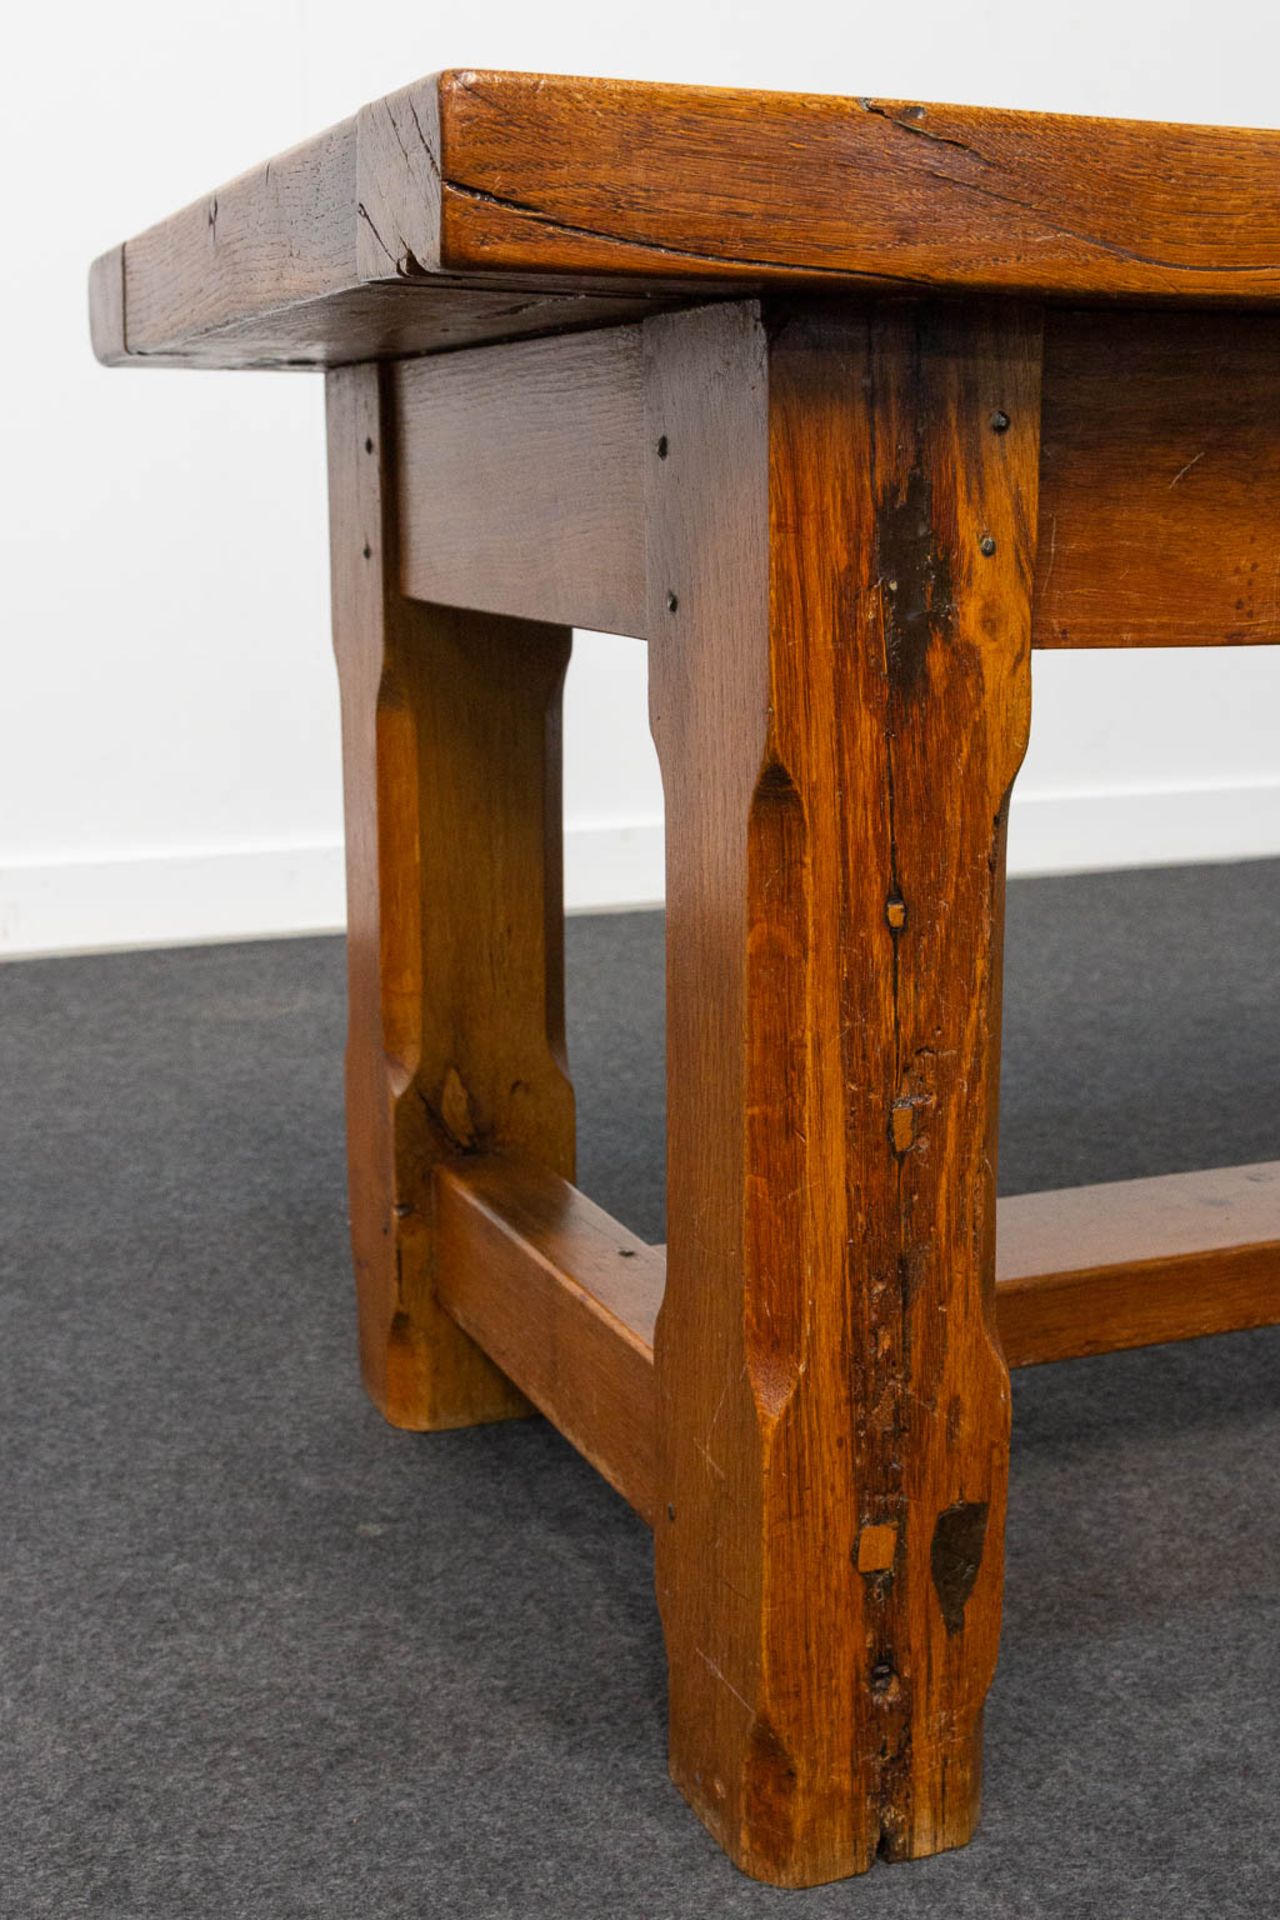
474,206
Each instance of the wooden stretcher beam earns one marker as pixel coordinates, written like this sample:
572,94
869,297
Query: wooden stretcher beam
564,1298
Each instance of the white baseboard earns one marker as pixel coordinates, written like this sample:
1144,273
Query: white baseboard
607,868
262,893
159,900
1143,827
171,900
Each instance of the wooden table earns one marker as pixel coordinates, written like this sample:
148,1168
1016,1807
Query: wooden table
843,405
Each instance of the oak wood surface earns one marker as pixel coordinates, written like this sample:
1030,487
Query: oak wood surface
563,1298
451,759
522,481
623,175
841,544
1092,1269
282,268
1159,487
276,237
380,320
1160,481
471,189
567,1297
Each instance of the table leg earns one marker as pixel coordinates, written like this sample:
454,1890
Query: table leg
841,516
451,754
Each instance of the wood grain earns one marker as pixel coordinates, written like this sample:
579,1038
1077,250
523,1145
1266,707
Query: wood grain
1159,488
308,261
280,235
623,176
1160,482
589,197
398,183
563,1298
386,320
1092,1269
842,547
451,757
522,482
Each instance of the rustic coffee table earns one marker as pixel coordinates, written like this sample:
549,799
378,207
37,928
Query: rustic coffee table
843,405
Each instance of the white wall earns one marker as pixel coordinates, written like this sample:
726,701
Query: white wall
168,729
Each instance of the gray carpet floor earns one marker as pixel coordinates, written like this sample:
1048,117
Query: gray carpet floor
264,1656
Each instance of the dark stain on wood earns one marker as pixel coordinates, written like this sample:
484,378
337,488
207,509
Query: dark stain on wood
955,1557
914,578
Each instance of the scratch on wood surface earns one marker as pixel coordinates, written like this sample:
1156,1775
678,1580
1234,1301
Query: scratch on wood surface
728,1685
1053,552
1182,472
